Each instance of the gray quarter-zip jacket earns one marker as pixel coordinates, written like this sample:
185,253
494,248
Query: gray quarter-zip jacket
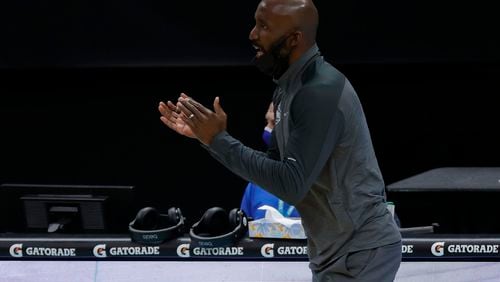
321,160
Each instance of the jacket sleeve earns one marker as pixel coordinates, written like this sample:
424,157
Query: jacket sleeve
315,127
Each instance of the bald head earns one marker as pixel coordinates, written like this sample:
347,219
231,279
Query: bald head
287,27
302,15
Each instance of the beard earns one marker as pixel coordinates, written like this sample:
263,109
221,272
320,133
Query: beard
274,62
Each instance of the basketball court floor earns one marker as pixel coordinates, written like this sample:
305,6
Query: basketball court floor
218,271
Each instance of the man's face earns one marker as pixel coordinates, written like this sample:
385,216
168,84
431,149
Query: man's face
269,28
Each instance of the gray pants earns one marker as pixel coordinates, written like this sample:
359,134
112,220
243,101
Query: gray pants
379,264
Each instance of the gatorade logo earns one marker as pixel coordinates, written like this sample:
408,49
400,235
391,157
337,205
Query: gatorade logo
16,250
100,251
267,250
437,249
183,250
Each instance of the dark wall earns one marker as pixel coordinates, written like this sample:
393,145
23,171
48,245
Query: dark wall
101,126
80,82
159,32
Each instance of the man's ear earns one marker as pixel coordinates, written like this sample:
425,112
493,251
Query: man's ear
296,37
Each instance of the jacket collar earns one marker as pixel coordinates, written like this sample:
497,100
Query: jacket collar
295,69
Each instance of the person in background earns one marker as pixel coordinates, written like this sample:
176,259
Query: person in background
254,196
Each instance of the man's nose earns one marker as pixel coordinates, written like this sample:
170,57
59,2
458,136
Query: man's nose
253,35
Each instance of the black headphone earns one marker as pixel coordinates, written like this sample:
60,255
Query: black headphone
151,228
217,229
